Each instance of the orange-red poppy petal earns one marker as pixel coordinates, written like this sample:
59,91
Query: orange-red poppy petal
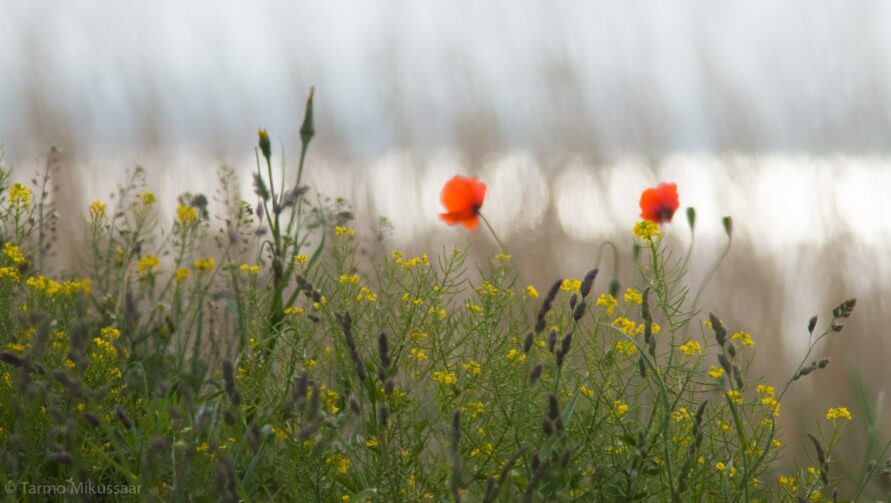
462,197
659,204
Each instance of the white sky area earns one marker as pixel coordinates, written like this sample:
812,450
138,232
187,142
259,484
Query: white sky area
620,76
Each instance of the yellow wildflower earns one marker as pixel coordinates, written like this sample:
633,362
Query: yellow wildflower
632,296
715,372
743,338
836,413
10,272
532,292
147,198
367,295
186,215
20,196
571,285
626,347
588,392
609,302
516,355
110,332
347,278
204,264
250,269
625,325
418,354
13,253
181,274
294,310
300,259
735,396
472,367
621,407
691,348
372,443
503,257
444,377
343,231
97,209
647,230
789,482
147,264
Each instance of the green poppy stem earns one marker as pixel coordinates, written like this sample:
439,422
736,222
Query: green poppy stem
500,244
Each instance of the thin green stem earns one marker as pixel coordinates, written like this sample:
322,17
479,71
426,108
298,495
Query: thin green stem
500,244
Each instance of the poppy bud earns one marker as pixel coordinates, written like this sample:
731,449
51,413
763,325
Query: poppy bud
308,130
728,226
614,287
265,146
691,217
811,325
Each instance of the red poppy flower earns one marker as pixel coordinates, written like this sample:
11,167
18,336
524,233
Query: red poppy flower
660,203
462,197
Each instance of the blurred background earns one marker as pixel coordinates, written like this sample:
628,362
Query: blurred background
777,114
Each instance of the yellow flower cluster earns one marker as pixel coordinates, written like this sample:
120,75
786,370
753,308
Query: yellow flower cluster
632,296
300,259
186,215
474,409
444,377
487,289
399,259
418,354
147,198
609,302
366,294
343,231
20,196
147,264
647,230
621,407
515,355
735,396
721,467
250,269
14,254
654,328
584,390
680,415
472,367
715,372
766,392
97,209
743,338
10,273
204,264
789,482
181,274
503,257
341,463
349,279
626,347
294,310
532,292
110,332
571,285
836,413
625,325
691,348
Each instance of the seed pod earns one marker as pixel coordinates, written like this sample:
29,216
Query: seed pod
123,417
812,324
552,340
384,350
579,311
527,344
824,362
566,342
573,301
718,328
588,282
547,427
553,407
641,366
536,373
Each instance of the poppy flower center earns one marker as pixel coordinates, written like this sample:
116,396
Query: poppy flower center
664,214
476,208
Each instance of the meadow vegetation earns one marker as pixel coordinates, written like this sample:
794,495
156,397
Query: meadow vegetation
257,351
